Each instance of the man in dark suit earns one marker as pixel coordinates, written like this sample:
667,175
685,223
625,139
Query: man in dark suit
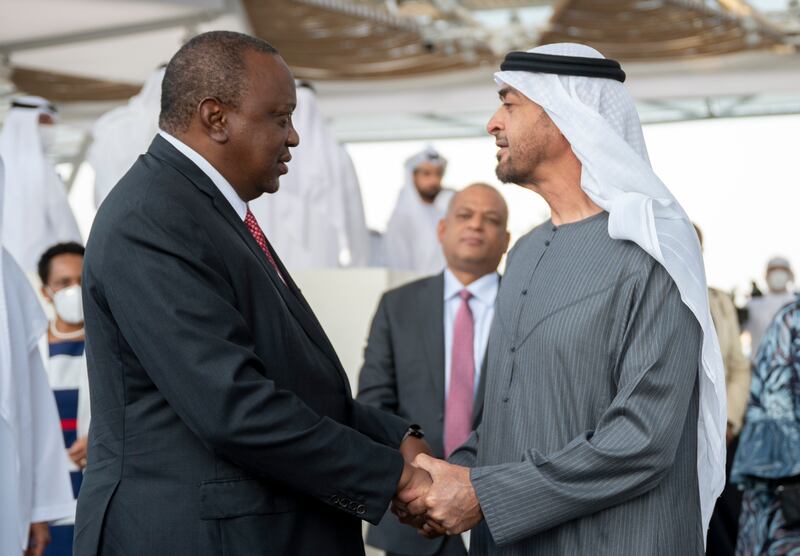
426,349
222,420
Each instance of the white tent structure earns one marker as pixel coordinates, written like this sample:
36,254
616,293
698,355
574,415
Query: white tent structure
401,69
391,70
457,105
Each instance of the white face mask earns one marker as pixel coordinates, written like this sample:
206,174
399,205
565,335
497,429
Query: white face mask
47,133
69,305
778,279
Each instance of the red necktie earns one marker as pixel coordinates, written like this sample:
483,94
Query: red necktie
458,408
255,230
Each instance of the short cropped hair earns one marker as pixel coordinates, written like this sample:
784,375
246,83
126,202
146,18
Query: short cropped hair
209,65
68,248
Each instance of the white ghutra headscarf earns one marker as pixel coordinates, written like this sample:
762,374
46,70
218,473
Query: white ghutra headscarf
599,119
37,212
410,241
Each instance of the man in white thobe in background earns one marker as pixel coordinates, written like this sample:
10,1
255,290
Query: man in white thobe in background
34,483
37,212
410,242
121,135
318,219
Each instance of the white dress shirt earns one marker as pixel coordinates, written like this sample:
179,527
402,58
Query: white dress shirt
219,180
484,292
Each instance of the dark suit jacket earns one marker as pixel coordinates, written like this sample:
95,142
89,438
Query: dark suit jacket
222,420
403,374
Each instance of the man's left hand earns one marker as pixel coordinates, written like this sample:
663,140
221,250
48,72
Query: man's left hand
451,502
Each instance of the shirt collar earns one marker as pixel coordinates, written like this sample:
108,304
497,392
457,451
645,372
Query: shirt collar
219,180
484,288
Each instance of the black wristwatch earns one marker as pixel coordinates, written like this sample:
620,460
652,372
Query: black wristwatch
415,431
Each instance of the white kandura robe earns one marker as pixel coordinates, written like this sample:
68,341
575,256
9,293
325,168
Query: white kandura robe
121,135
411,242
34,481
599,119
316,219
37,214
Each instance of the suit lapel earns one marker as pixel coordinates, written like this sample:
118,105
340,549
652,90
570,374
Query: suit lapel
431,304
307,317
226,211
289,291
162,149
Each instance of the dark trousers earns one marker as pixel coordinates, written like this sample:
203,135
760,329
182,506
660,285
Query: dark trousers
452,546
61,540
724,526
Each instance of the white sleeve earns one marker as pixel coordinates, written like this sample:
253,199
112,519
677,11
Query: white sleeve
397,255
52,488
62,221
357,234
84,406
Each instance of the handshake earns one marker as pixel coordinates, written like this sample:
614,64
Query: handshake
434,496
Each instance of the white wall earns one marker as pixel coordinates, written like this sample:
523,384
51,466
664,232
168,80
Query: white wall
345,302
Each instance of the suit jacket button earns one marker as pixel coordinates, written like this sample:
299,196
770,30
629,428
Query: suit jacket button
335,499
361,510
344,502
352,506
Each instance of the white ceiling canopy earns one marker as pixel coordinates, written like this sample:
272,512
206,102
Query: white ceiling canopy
90,51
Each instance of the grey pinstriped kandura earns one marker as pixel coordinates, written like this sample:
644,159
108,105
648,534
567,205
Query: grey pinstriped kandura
589,435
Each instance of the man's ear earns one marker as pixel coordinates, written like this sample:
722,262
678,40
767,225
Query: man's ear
45,294
440,228
213,119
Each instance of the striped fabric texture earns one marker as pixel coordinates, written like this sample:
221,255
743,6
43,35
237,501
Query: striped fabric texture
589,436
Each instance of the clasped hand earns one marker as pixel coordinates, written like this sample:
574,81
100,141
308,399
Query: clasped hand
436,497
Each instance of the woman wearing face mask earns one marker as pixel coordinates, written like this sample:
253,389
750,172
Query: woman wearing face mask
60,271
761,310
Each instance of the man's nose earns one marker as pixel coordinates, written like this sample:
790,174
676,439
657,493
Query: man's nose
493,125
294,138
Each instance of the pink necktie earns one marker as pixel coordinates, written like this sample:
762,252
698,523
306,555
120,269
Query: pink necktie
458,409
255,230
